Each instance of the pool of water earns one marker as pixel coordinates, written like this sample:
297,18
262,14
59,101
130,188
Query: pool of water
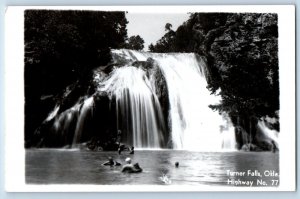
57,166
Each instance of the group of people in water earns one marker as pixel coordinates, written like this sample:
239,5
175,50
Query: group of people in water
123,147
128,167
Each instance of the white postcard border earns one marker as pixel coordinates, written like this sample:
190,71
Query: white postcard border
14,100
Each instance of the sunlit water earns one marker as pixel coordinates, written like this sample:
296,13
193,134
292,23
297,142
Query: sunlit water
50,166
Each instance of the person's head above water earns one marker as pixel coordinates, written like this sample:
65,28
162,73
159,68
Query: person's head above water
128,160
110,159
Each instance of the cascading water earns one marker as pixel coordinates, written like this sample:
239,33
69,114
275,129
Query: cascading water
193,125
84,111
137,106
266,133
228,134
133,91
77,114
52,113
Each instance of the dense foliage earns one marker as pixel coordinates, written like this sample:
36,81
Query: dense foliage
135,43
242,58
62,47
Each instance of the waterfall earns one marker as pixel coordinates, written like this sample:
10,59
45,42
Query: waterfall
77,114
193,125
130,96
138,110
266,133
53,113
83,115
228,134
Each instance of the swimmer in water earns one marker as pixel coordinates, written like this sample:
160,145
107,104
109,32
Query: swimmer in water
130,168
111,162
131,150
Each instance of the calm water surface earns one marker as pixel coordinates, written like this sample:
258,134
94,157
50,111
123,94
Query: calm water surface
54,166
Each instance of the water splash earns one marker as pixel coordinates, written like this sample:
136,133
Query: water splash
165,179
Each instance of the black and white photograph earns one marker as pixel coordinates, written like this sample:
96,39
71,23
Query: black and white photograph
165,98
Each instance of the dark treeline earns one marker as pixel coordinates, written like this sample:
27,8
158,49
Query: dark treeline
242,58
62,48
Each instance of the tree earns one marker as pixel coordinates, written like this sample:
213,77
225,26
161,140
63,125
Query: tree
151,47
135,43
61,48
168,27
166,43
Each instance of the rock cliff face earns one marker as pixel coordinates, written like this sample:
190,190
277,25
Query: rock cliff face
161,89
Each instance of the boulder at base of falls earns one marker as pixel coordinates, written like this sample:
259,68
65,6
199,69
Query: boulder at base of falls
260,146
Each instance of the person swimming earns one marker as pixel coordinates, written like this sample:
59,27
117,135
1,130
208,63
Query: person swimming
121,148
111,162
130,168
131,150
